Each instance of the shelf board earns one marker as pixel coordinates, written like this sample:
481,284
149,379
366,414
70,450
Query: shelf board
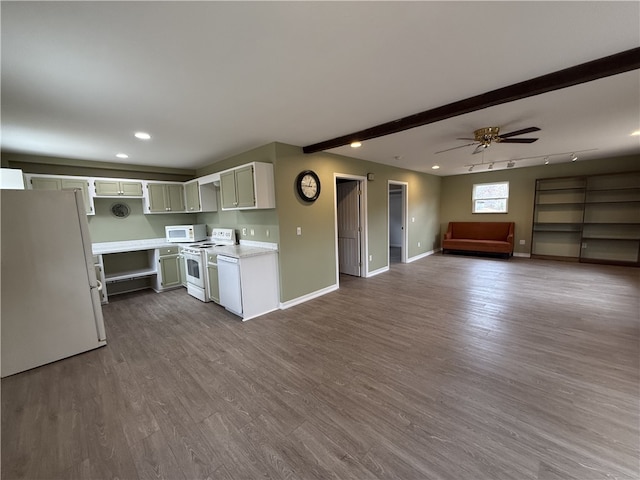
612,202
622,239
566,189
555,204
612,189
611,223
128,275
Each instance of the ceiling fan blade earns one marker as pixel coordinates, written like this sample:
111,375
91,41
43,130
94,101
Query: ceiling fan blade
454,148
518,140
519,132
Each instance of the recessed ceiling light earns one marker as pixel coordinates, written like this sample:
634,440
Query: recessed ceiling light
142,135
122,155
356,144
435,167
636,133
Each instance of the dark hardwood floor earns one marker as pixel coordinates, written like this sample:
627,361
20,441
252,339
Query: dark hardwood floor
447,368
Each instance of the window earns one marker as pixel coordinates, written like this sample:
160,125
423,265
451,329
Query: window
490,197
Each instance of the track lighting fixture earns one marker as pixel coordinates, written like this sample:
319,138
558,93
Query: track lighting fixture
491,166
546,160
471,168
574,157
511,164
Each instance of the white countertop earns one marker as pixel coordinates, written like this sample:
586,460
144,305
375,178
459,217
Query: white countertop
245,249
240,251
130,245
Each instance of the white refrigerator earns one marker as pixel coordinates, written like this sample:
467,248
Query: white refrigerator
49,305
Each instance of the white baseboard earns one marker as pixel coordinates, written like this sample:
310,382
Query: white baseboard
523,255
378,271
423,255
307,297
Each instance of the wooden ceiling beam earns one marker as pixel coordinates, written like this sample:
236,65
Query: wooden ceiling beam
622,62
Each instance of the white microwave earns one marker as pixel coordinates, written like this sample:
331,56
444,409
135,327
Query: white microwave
185,233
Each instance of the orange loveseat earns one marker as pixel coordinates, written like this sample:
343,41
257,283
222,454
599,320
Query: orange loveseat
479,237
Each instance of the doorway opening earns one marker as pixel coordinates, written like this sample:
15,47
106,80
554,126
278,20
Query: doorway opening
351,230
398,208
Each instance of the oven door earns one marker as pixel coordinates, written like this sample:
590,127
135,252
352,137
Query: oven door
194,269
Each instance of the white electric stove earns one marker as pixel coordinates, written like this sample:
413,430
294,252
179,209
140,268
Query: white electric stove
195,258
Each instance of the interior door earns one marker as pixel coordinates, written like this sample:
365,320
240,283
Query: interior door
348,196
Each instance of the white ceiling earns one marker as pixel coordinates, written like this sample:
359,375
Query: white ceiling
213,79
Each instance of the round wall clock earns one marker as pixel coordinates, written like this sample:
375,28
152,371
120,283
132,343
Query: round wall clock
308,185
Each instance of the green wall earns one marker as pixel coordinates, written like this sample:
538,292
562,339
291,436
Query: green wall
104,227
308,261
456,192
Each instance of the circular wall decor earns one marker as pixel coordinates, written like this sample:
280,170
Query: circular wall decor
120,210
308,186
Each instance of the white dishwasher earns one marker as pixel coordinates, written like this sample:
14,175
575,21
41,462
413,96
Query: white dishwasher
230,286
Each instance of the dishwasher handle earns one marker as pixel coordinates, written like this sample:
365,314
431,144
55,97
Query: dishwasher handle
222,258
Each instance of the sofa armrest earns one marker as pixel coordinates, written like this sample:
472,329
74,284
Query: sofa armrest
510,236
449,234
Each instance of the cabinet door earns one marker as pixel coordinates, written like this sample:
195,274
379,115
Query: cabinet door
214,287
245,192
228,189
175,198
157,201
109,188
83,186
39,183
192,192
169,271
131,189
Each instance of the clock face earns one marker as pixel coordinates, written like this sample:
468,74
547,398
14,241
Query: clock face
308,186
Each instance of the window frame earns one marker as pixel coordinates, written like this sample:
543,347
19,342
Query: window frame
474,199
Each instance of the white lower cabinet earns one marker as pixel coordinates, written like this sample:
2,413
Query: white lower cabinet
259,292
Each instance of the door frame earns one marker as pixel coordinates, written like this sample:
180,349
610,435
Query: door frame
364,229
405,220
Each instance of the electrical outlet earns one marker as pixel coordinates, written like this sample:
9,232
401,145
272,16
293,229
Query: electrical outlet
371,258
413,219
244,232
418,243
253,232
522,242
267,233
298,230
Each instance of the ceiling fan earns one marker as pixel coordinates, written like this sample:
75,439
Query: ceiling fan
483,137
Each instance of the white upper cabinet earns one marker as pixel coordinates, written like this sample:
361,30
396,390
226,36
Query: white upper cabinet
62,182
246,187
117,187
